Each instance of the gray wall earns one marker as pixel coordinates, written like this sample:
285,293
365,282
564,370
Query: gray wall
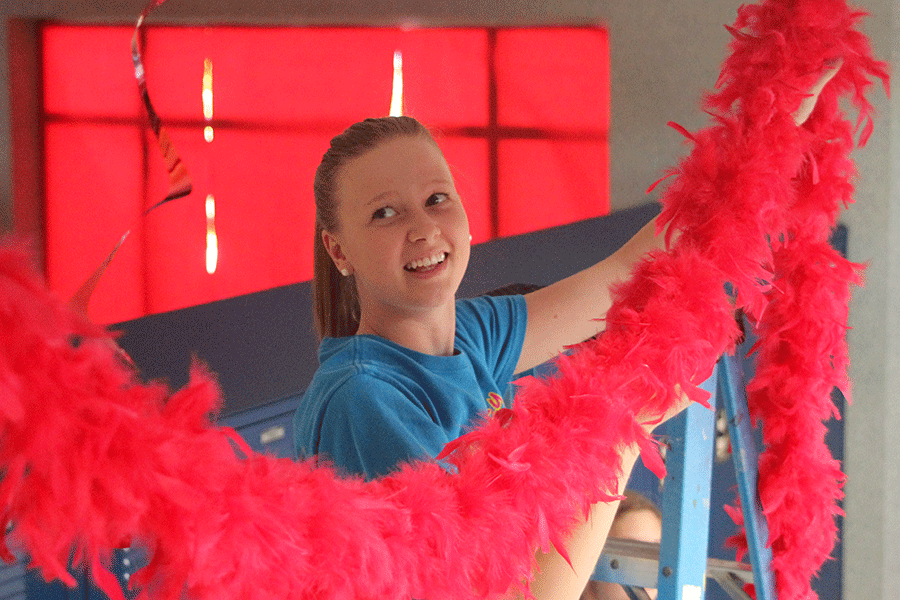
664,54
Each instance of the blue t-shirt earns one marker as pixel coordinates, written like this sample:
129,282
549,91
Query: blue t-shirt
373,404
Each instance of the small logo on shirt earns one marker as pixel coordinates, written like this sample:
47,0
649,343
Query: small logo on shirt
495,401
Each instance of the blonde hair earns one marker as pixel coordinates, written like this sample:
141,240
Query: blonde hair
635,501
335,301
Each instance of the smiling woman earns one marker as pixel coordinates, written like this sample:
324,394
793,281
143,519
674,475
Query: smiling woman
386,206
405,367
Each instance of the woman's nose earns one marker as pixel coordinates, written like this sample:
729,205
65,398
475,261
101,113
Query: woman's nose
423,228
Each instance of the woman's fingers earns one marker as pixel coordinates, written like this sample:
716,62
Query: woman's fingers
809,103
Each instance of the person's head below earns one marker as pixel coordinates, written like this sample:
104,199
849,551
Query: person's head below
637,518
391,236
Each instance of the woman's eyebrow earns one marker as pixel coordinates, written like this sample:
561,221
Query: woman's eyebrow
385,195
380,197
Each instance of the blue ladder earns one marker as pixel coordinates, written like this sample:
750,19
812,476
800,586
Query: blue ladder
679,565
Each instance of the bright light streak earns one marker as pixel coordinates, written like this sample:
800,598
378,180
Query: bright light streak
397,90
207,97
212,241
212,252
207,93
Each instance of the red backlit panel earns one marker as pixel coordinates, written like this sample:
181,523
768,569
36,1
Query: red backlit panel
553,79
468,161
92,197
548,183
261,183
445,76
324,76
268,75
88,72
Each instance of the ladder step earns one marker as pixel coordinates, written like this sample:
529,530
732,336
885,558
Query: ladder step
632,563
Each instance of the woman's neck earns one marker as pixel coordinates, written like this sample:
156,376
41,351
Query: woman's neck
429,332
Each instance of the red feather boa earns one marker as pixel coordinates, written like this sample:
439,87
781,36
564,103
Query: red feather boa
93,458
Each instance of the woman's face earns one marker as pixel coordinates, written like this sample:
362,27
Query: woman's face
402,230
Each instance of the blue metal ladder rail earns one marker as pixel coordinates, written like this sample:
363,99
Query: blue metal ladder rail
679,565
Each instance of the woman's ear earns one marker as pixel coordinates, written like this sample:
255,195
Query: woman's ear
333,247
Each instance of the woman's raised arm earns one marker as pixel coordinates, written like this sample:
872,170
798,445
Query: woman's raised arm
571,310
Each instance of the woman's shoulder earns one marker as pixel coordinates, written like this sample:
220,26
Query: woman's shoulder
344,395
348,359
365,353
488,308
366,361
489,319
366,366
341,388
344,375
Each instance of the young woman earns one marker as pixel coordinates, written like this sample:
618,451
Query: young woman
405,367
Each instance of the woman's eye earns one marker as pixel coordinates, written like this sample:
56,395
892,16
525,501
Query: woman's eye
384,212
436,199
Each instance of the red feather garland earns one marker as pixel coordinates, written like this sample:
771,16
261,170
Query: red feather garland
802,353
94,459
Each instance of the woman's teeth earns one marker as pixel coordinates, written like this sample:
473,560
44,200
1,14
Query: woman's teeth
424,263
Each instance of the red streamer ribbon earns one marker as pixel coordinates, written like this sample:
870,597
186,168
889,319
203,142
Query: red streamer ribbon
180,182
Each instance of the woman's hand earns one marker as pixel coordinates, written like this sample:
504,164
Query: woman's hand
809,103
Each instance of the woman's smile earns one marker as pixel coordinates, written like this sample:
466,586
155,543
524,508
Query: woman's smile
427,264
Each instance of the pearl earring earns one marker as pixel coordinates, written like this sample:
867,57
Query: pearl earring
345,272
470,237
